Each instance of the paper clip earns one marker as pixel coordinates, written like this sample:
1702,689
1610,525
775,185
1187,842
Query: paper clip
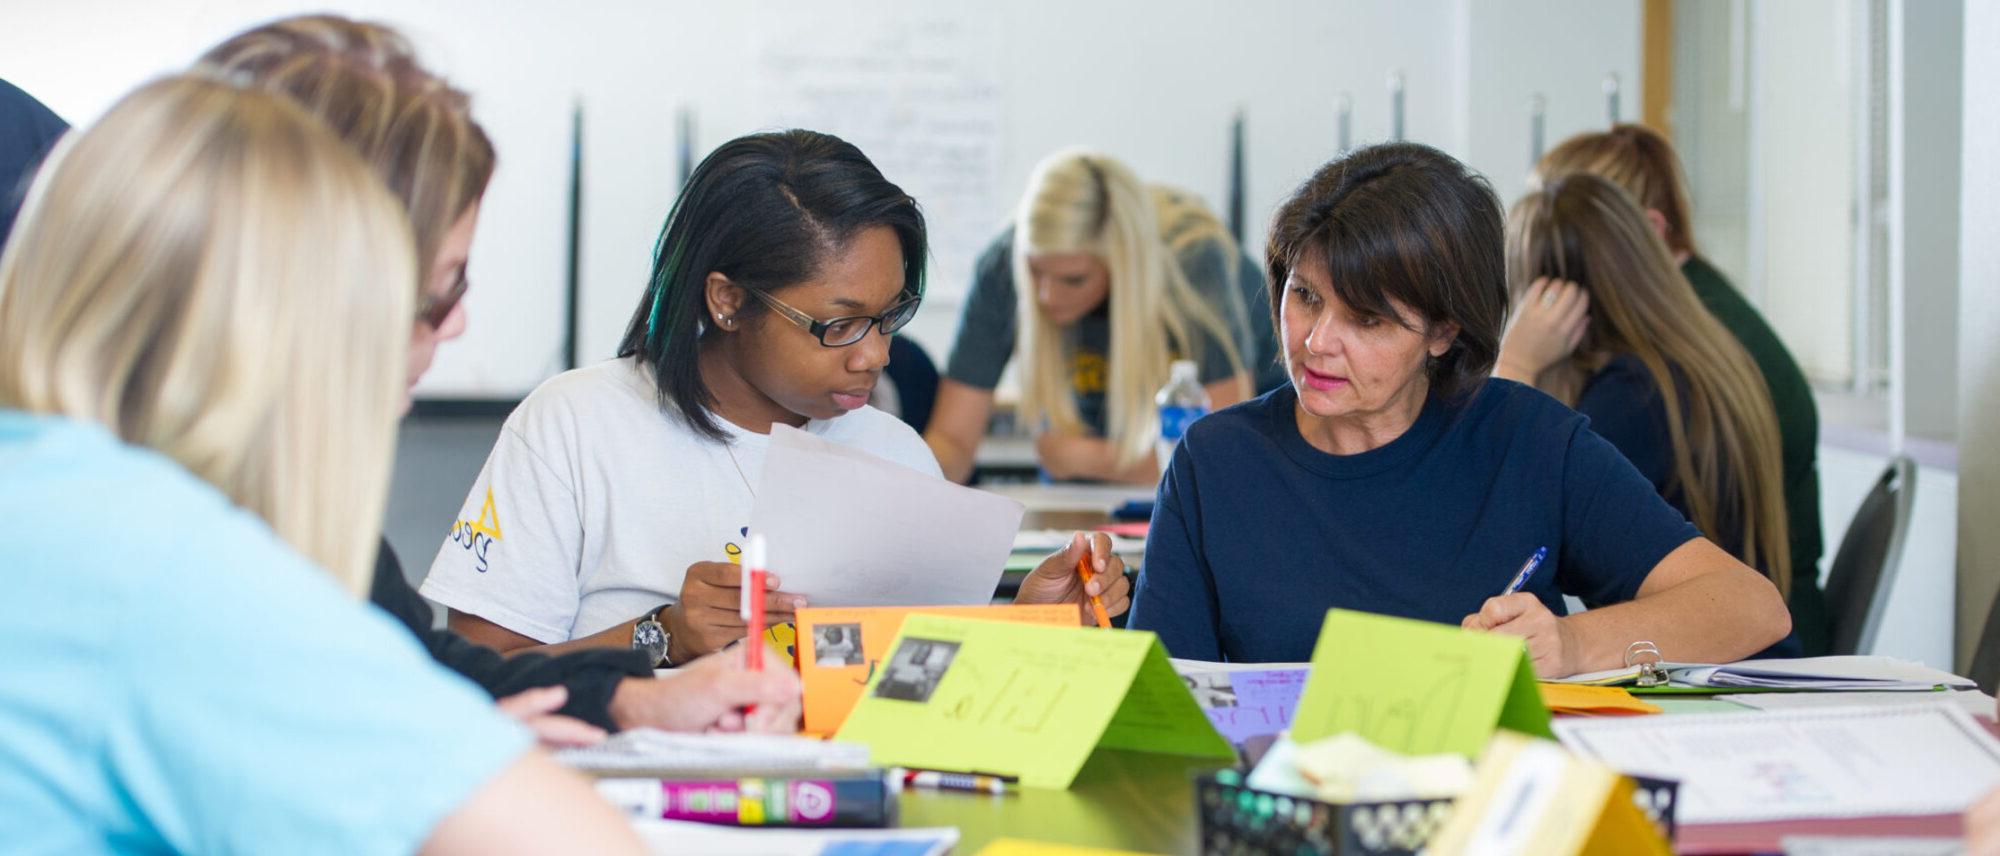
1646,656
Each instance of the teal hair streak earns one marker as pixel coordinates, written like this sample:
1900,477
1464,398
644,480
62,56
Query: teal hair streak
660,288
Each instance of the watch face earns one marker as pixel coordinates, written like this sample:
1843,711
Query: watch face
649,637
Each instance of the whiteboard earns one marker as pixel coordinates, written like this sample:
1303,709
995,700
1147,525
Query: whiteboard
955,102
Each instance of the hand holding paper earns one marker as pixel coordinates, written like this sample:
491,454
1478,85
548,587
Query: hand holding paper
847,528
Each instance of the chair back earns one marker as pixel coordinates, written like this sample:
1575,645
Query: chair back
1864,568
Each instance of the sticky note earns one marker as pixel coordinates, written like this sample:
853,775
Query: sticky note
1416,687
1582,699
1026,700
840,649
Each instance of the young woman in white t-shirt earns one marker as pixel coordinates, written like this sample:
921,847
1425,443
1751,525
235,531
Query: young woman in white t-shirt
617,494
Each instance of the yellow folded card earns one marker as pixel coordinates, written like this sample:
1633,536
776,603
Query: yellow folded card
1026,700
1416,687
1590,700
1534,797
841,648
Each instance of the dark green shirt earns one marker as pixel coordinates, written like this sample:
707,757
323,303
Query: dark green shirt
1798,434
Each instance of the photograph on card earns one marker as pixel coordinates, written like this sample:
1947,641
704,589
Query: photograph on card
837,645
915,669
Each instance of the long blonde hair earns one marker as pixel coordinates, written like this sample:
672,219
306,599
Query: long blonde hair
1636,158
1084,202
363,80
208,273
1583,228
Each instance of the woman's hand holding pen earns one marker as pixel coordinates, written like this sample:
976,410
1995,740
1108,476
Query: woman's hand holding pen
1551,645
1055,580
709,614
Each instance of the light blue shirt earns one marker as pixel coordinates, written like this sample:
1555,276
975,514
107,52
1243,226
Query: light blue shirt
173,677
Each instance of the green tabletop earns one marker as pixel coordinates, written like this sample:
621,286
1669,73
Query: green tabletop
1121,800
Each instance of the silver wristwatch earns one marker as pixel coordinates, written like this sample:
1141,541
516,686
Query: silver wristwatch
650,636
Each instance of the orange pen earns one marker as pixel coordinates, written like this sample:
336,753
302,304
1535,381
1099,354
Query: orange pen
1096,603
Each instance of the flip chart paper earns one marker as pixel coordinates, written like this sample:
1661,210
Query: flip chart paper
841,649
1023,699
847,528
1416,687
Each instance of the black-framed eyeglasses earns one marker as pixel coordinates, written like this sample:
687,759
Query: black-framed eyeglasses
847,329
435,308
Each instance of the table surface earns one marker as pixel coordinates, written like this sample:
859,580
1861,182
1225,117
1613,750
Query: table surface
1141,802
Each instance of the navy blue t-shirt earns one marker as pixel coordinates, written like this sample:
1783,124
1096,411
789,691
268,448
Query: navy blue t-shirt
1625,407
1256,533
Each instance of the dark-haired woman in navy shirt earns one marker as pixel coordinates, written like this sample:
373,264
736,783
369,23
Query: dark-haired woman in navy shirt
1392,477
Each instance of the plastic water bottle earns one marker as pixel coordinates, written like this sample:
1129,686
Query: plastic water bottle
1181,402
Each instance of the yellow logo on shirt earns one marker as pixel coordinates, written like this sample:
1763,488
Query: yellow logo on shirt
1087,371
477,536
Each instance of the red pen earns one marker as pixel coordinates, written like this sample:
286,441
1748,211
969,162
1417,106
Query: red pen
753,608
1083,573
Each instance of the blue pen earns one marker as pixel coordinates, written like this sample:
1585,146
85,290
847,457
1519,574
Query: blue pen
1527,570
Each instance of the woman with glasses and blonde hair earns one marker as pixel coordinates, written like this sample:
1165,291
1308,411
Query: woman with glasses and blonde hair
1658,376
200,372
612,510
418,134
1642,161
1108,298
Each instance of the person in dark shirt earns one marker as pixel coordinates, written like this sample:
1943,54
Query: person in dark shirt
28,129
417,132
1393,477
1605,323
1643,162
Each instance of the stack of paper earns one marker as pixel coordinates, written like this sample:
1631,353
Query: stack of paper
660,752
1802,764
1824,673
1805,673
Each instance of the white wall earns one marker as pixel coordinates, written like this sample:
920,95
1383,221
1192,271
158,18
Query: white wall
1154,84
1978,324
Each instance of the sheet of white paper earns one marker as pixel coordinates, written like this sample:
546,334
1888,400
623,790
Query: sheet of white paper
847,528
680,837
665,752
1801,764
1971,701
1848,845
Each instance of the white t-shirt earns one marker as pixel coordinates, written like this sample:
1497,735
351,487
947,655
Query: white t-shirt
596,500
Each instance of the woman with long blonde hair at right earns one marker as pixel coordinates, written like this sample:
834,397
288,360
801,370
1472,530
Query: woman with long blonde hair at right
1658,376
1093,301
203,315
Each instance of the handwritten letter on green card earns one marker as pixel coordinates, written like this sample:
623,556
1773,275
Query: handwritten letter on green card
1026,700
1417,687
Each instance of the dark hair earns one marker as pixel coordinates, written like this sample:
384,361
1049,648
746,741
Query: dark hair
766,210
1407,222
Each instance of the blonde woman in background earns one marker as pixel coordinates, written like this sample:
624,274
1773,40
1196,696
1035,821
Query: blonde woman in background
417,132
202,341
1659,377
1642,161
1107,310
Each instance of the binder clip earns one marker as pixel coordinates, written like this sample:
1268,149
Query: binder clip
1646,656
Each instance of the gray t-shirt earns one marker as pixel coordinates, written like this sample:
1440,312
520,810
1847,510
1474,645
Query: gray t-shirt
988,326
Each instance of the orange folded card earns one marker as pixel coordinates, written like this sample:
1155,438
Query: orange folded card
841,647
